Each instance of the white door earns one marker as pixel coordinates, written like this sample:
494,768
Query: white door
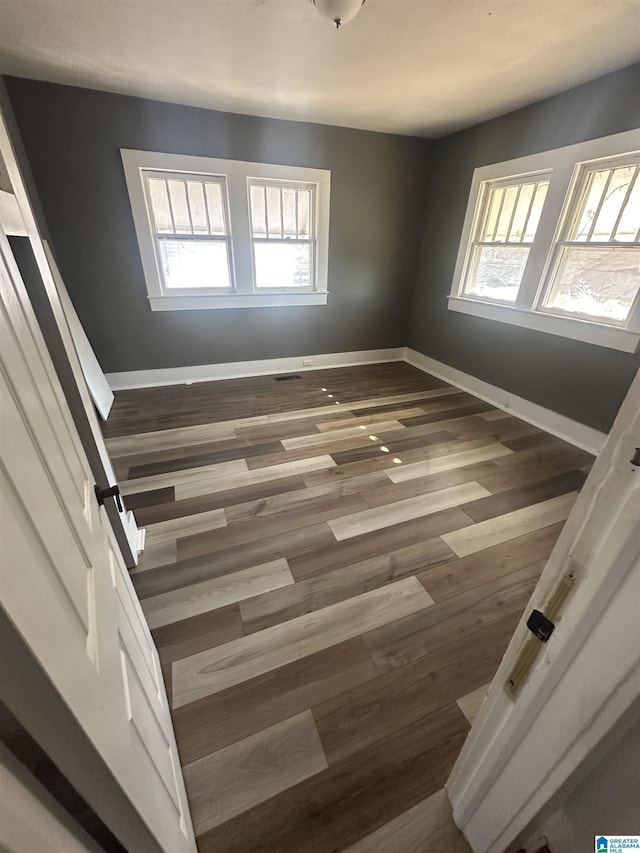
17,216
66,591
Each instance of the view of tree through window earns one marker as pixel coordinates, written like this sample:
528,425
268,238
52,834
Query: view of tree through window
597,272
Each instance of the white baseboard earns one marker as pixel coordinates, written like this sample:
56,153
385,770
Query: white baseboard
239,369
582,436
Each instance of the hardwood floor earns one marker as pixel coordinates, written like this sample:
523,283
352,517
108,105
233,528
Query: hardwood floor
335,566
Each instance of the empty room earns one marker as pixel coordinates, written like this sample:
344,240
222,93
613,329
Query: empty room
320,437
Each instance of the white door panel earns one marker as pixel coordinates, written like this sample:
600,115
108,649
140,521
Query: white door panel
64,585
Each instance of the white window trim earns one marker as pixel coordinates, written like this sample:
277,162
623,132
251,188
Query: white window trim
236,173
564,164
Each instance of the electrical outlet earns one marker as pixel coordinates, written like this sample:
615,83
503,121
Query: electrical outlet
306,362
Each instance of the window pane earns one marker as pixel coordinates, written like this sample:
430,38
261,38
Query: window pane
493,208
258,217
594,189
304,214
216,208
160,206
536,211
197,205
178,196
273,211
629,225
289,212
504,219
195,263
283,264
521,215
496,272
596,282
612,204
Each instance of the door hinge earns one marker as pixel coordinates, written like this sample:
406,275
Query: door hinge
110,492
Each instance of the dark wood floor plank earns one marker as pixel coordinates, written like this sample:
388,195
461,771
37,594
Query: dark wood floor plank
292,544
336,554
522,471
447,414
337,807
155,497
408,639
193,635
452,401
223,718
319,591
468,573
321,509
241,450
387,493
394,444
517,498
358,718
217,500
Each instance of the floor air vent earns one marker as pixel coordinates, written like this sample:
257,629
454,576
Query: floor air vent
287,378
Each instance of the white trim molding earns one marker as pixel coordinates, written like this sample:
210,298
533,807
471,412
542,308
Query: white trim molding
580,435
240,369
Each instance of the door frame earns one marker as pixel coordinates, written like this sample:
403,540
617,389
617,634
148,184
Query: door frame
522,755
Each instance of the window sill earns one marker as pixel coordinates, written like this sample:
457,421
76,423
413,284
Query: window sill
236,300
566,327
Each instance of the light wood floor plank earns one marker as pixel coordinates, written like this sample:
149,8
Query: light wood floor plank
317,439
326,589
154,556
428,827
386,516
212,594
216,721
509,526
224,666
227,783
224,470
187,525
471,702
244,477
370,420
445,463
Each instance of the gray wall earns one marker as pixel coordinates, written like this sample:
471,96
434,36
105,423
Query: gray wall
73,138
585,382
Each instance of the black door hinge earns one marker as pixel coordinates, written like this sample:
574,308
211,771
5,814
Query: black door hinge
111,492
635,459
540,626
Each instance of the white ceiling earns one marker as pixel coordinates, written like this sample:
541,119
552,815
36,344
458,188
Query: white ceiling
424,67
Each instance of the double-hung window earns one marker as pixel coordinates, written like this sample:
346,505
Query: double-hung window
509,215
552,242
190,225
283,234
228,233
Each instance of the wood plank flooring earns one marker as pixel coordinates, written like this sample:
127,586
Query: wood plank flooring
335,566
